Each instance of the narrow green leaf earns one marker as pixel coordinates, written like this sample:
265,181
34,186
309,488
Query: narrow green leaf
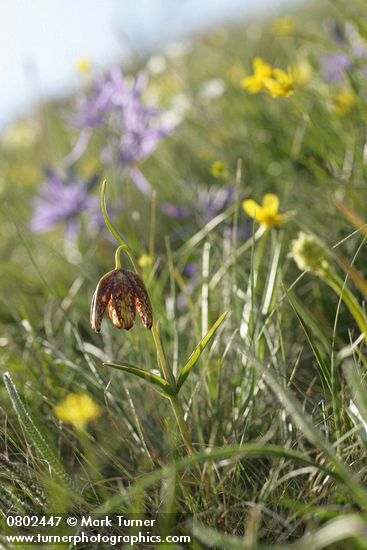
145,375
312,322
299,311
272,278
356,277
342,290
359,389
33,432
194,357
350,527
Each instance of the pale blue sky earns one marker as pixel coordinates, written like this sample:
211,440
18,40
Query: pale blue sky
42,40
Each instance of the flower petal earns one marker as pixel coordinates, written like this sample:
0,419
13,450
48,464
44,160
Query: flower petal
142,301
253,84
271,204
252,208
262,68
122,302
100,300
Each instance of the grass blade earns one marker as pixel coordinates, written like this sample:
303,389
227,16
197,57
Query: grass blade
301,315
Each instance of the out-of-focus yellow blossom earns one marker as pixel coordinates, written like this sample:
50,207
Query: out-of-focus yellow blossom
218,169
255,82
302,73
284,26
276,82
281,84
145,260
266,214
84,66
344,102
78,410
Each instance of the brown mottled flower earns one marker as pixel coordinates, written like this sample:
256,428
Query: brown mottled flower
124,292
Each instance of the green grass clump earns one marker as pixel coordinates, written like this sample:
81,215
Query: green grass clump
275,406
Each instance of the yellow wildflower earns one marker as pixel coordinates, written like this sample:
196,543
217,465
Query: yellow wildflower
268,214
276,82
84,66
281,83
78,410
145,260
218,169
255,82
344,102
284,26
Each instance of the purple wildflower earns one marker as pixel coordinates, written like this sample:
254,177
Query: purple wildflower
62,201
135,128
175,212
215,200
95,107
335,66
138,134
190,270
209,203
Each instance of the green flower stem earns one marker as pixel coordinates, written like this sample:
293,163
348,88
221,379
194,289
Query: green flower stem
118,257
179,414
176,405
167,373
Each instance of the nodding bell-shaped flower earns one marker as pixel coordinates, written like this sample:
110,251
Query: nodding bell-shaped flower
124,292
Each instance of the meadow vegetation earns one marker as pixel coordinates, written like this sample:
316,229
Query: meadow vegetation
235,166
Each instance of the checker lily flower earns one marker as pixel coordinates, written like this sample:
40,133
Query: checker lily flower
124,292
267,214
